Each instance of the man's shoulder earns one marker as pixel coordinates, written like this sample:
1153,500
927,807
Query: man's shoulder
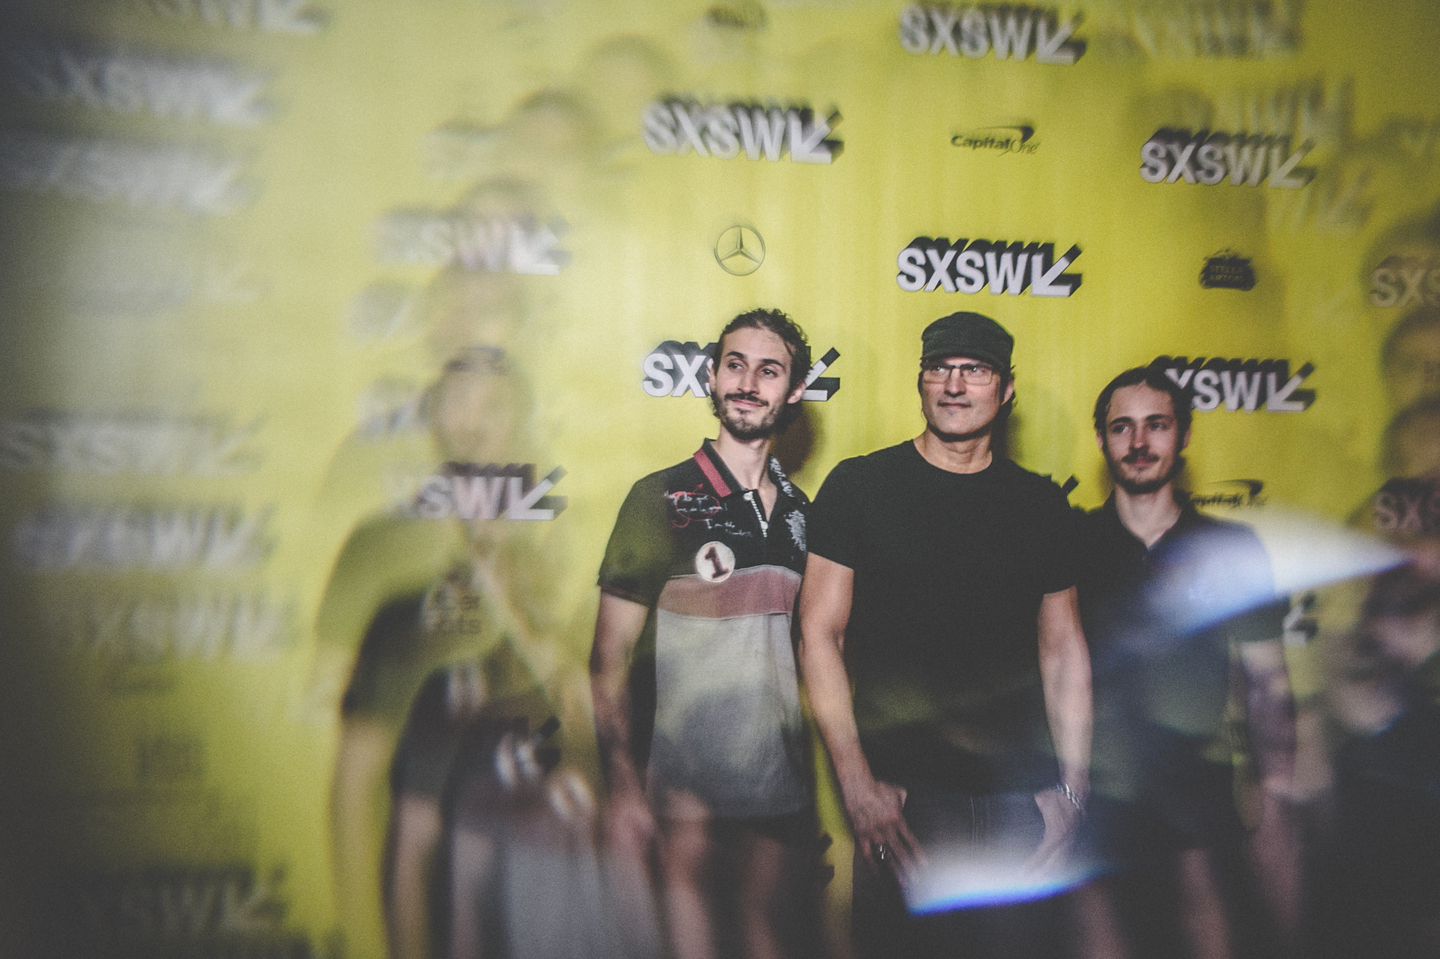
1215,529
670,478
886,458
867,471
654,497
1103,516
1024,482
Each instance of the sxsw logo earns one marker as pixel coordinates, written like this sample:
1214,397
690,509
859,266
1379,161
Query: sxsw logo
1170,156
1405,280
680,127
975,31
1241,385
472,491
1408,506
482,244
969,266
677,369
1206,29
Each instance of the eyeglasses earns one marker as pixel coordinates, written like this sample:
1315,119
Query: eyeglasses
974,374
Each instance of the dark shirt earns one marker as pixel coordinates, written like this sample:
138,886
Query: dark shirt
1160,620
1161,623
715,698
942,644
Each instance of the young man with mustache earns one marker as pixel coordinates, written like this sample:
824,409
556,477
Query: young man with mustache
1176,604
697,707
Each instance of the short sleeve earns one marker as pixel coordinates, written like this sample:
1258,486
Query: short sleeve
427,745
1061,535
637,557
833,522
1264,612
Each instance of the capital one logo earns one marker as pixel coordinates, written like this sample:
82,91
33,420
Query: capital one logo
1245,386
1002,139
680,369
1235,492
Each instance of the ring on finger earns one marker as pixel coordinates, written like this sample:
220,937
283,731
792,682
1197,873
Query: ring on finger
880,851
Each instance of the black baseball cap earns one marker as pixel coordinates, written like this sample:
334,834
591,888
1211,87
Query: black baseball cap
967,334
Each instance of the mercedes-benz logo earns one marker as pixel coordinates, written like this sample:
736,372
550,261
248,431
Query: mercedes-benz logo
739,251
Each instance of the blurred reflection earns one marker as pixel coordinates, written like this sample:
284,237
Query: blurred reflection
1410,358
1412,440
457,625
487,842
1378,886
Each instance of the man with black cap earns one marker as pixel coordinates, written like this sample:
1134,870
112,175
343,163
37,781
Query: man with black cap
946,668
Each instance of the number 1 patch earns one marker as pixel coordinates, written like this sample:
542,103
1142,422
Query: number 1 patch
715,562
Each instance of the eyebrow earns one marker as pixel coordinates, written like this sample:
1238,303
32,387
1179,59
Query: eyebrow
1148,418
764,361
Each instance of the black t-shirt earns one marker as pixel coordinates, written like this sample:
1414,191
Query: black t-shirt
440,732
942,642
1166,616
1160,623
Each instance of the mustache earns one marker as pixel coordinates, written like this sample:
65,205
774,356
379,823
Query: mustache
1139,456
751,397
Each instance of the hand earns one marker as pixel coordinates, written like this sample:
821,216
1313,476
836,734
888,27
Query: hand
881,833
629,825
1062,822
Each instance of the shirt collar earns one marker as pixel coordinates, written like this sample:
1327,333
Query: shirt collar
1188,517
723,482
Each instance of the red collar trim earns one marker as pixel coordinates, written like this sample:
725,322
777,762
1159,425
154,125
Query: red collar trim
712,473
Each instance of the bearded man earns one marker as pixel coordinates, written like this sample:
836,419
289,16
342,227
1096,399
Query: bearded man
697,707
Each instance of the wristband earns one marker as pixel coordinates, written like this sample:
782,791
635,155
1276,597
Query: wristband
1065,790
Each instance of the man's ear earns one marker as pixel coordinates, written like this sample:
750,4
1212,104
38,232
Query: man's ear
1100,440
796,394
710,375
1009,392
1184,441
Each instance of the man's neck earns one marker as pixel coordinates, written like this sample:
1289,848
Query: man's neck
964,454
1148,516
746,459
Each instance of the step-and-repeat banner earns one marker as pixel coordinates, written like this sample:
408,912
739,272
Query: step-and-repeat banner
335,332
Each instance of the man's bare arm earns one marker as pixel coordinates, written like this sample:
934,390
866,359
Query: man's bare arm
414,837
874,807
1269,712
618,626
1270,718
1069,709
1065,680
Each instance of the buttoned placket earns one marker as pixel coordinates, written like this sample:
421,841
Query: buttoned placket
753,498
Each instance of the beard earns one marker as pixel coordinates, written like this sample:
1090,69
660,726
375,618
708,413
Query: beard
1136,487
762,429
